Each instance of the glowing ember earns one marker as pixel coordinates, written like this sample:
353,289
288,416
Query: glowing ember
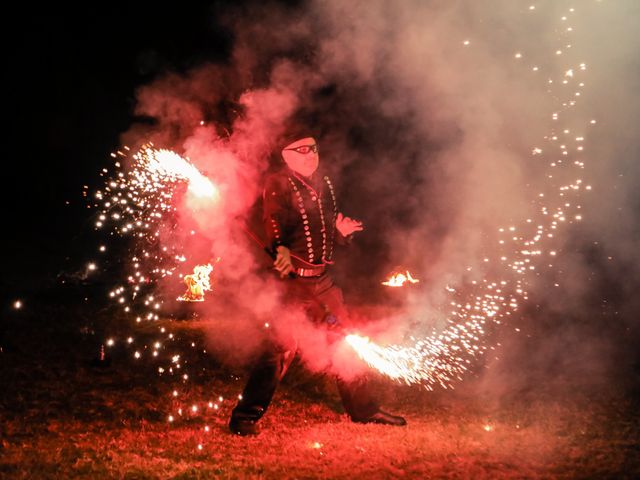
197,283
399,279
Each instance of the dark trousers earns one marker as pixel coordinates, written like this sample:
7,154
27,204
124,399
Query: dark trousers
323,301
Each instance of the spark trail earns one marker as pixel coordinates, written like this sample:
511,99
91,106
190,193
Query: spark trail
520,249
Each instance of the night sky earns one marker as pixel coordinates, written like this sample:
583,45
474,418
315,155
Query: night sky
73,74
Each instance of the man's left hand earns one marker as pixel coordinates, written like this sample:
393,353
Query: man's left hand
346,226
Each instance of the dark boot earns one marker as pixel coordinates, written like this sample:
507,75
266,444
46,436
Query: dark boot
357,398
383,418
361,405
258,392
245,425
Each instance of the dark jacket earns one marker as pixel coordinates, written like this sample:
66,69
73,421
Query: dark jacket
300,213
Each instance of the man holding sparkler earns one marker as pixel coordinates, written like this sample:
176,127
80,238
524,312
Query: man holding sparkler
302,223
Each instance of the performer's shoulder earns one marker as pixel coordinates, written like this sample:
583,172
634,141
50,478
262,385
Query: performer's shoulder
277,181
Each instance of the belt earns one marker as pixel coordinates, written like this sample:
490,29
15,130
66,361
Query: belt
311,271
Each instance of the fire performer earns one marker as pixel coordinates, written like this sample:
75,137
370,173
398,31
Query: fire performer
302,221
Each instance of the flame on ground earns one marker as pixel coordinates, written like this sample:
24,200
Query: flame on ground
399,279
197,283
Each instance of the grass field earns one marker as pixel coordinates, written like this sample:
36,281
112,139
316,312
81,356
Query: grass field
63,418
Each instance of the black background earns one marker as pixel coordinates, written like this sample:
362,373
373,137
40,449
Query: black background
71,75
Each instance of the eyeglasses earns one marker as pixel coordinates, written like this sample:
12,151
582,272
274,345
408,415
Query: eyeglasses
304,149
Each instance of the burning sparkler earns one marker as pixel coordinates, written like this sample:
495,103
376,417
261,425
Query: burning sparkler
157,168
139,202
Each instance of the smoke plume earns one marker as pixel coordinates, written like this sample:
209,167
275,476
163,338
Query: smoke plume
428,113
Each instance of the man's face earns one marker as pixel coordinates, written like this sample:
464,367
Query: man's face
302,156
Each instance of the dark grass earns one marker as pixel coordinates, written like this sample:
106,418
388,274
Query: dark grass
61,417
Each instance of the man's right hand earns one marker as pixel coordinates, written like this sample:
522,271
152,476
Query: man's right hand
283,261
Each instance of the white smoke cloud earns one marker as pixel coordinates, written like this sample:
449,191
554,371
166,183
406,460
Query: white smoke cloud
429,112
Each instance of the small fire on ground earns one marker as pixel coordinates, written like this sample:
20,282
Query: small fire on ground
399,279
197,283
